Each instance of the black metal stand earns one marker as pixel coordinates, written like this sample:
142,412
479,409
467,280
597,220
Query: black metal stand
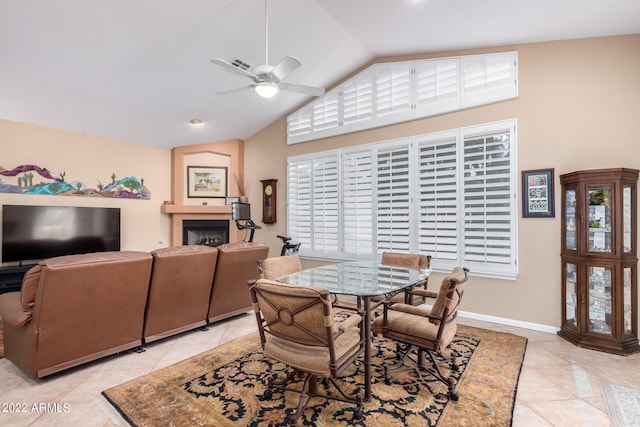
288,247
248,225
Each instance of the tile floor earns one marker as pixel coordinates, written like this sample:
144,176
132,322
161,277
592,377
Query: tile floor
559,383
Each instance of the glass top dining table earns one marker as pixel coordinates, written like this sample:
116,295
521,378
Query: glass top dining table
363,280
358,278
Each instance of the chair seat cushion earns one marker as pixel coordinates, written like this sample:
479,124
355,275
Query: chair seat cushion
416,329
310,358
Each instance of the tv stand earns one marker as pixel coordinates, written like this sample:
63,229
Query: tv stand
11,277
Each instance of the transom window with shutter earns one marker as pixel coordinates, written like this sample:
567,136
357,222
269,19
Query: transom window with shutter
451,195
395,92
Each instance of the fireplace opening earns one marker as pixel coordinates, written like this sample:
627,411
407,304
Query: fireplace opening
205,232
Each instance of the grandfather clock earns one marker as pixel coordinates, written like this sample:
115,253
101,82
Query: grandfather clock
269,200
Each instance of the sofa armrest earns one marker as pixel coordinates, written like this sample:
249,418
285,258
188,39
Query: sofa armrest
11,310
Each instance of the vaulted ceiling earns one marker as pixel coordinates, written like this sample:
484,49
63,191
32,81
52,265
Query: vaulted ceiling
139,70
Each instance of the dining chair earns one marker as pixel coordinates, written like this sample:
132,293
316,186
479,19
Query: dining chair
277,267
424,333
413,261
297,328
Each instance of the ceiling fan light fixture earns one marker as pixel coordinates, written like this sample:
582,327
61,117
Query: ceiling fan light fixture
267,89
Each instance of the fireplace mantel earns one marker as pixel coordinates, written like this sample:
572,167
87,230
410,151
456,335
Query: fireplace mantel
196,209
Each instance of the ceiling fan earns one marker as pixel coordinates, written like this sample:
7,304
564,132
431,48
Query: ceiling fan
268,80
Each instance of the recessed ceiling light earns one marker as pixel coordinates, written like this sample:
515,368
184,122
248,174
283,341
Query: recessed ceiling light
195,121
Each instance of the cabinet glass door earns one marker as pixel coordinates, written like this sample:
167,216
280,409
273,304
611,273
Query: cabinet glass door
626,219
626,291
570,219
599,221
599,299
570,295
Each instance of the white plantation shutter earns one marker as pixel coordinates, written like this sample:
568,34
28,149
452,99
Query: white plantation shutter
394,199
358,202
357,99
325,205
488,78
299,123
438,198
325,112
299,207
436,86
393,90
450,195
489,202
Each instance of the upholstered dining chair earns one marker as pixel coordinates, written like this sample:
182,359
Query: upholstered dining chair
297,328
277,267
424,333
413,261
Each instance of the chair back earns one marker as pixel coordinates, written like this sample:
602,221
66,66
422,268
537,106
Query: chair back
414,261
449,296
277,267
302,314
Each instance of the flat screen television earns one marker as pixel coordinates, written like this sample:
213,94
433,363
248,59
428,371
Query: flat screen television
34,233
240,211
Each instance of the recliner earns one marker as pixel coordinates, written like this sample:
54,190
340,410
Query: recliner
179,290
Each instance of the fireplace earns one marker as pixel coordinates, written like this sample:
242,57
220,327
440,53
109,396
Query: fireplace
205,232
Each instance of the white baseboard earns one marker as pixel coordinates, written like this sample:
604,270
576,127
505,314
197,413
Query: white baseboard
509,322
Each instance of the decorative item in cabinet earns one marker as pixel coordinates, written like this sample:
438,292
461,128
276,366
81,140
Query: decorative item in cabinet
599,259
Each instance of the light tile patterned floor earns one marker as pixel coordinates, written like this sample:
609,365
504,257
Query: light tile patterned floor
559,383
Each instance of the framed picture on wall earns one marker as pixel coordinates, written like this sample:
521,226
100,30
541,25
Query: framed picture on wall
206,181
537,194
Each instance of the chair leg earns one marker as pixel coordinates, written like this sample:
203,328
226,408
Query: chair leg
310,390
302,403
402,353
448,381
432,367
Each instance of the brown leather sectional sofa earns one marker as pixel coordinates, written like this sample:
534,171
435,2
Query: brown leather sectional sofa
75,309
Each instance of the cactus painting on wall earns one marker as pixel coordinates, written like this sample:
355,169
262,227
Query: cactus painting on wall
32,179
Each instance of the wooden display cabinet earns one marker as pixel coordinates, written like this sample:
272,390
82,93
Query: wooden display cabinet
599,259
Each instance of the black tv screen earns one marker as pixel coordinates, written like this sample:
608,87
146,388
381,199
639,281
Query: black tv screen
34,233
240,211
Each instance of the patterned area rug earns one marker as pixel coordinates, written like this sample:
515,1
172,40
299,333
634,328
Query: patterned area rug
224,387
622,403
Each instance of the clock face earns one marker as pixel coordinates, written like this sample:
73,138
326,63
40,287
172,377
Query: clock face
268,190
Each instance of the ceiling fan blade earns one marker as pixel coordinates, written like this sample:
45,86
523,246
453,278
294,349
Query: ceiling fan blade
233,69
284,68
307,90
233,90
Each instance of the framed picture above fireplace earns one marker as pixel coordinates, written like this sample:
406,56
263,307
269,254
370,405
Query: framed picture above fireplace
206,181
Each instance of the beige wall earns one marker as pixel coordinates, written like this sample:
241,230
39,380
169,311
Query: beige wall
89,159
577,109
